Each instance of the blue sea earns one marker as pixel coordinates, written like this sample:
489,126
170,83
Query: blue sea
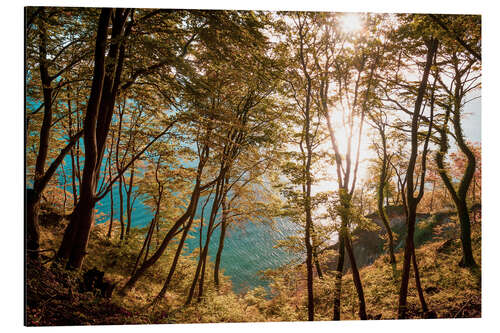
248,249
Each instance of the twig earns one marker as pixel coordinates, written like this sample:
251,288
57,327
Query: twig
462,308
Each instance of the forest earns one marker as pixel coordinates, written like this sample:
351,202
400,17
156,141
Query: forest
206,166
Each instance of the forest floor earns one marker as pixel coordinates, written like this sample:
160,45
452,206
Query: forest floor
450,291
53,296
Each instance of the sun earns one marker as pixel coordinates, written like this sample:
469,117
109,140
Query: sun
351,22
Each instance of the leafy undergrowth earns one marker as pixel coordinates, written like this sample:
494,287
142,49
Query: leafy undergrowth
53,297
449,290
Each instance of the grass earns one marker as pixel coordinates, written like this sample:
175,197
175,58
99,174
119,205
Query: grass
450,291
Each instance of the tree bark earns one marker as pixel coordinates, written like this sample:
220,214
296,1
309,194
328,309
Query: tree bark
170,234
76,235
32,224
421,297
33,198
316,263
380,200
129,201
356,278
120,180
465,235
221,241
307,177
200,269
432,196
412,201
111,210
403,292
72,154
120,194
111,213
176,259
458,197
339,273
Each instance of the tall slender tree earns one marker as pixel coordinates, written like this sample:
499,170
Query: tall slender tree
463,79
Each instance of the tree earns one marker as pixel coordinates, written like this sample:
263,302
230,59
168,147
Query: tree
201,104
58,60
463,80
106,84
106,78
349,77
380,123
411,200
301,40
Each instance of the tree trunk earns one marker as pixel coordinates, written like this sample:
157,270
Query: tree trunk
465,235
76,235
203,254
411,200
168,237
191,209
64,188
32,225
78,171
315,252
382,184
201,281
432,196
403,292
120,180
129,201
458,197
112,212
356,278
339,273
176,259
221,241
309,264
421,297
122,222
84,212
105,82
73,179
316,264
154,223
463,188
72,155
33,198
383,215
145,245
200,269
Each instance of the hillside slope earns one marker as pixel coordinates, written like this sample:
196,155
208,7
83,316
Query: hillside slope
53,297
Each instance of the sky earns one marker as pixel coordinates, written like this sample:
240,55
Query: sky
13,192
472,121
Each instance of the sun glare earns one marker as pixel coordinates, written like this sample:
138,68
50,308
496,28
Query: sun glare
351,22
